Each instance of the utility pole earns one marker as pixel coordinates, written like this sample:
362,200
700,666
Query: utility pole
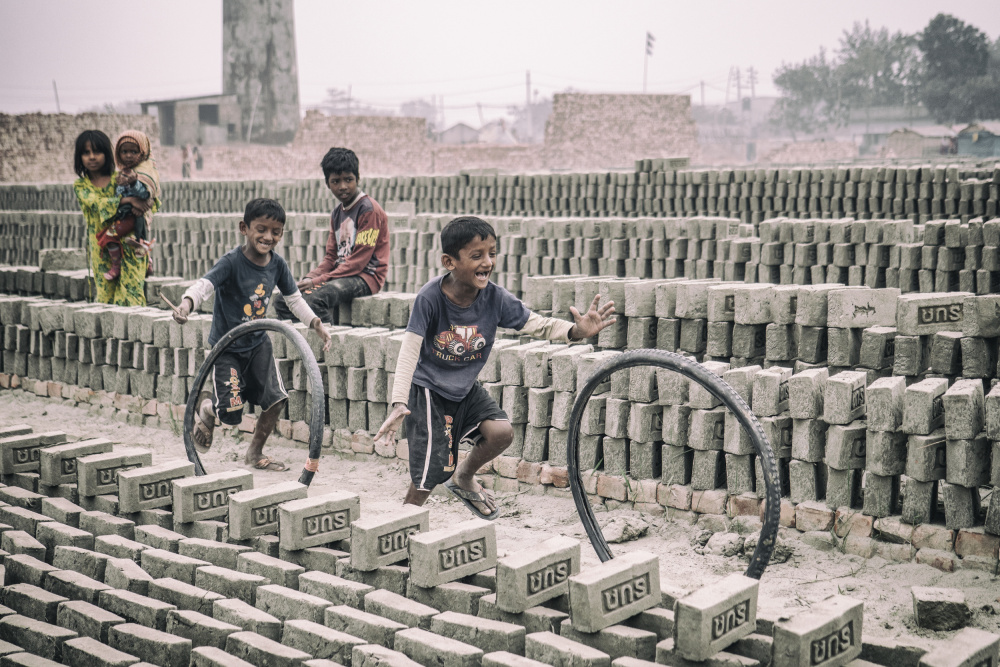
527,106
702,93
752,76
739,86
645,62
56,91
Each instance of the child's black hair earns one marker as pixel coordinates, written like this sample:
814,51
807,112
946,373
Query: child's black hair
339,160
101,144
461,231
264,208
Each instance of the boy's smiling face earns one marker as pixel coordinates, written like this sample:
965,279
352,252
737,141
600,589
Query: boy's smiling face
474,264
344,186
262,234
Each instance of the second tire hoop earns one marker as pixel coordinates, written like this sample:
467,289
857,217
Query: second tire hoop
718,388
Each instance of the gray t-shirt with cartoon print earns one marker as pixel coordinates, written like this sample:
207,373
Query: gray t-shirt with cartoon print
243,292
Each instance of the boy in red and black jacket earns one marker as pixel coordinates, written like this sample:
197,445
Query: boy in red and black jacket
357,250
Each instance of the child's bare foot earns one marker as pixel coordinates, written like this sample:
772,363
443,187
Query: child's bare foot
204,427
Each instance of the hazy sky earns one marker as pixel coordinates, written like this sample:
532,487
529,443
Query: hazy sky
391,51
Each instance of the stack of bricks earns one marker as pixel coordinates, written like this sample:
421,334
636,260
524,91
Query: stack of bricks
651,188
938,256
110,559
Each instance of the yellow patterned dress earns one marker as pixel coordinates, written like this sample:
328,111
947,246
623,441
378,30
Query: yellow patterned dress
98,205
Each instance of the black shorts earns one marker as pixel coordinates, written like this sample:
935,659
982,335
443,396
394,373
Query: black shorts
246,377
432,425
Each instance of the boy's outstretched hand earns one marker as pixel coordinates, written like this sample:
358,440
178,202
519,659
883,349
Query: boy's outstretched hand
593,321
324,335
387,433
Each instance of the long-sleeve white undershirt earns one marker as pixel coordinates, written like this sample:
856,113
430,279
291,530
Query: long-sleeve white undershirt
549,328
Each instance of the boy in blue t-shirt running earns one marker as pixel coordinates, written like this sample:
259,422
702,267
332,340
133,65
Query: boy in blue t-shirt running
447,341
244,278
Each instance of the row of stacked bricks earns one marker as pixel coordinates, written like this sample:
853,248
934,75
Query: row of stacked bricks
936,256
652,188
873,400
109,560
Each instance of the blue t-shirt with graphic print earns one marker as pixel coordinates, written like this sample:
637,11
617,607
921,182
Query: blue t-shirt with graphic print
242,293
457,341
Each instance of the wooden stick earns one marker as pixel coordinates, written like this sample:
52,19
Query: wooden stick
167,301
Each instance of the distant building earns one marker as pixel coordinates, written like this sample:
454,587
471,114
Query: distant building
458,134
496,132
925,141
980,139
206,120
260,82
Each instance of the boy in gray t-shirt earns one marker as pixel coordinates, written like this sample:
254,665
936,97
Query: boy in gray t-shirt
243,280
450,334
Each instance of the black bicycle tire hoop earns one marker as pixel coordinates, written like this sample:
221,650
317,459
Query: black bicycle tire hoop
715,385
317,394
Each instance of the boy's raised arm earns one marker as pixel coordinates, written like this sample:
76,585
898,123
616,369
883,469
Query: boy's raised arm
584,326
195,295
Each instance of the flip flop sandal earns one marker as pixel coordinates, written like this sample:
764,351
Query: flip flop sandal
267,464
468,496
207,434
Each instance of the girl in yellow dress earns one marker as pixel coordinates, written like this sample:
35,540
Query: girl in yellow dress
93,162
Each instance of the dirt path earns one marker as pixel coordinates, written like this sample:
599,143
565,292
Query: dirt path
808,576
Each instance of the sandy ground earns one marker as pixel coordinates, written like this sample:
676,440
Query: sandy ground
808,576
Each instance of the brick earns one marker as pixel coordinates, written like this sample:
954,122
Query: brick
372,628
57,464
32,601
125,574
74,585
229,583
151,645
102,523
550,648
207,497
940,608
286,603
42,639
210,656
21,568
713,617
260,651
280,572
320,641
923,314
617,641
217,553
379,656
968,647
425,647
164,564
923,406
136,608
844,397
87,620
448,554
319,520
89,652
21,453
827,633
486,635
255,512
247,617
529,577
399,609
337,590
97,474
150,487
18,542
608,593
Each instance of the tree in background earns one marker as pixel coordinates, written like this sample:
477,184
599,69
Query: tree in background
875,68
810,97
961,72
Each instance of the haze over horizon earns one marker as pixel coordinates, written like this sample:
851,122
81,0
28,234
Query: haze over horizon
390,51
